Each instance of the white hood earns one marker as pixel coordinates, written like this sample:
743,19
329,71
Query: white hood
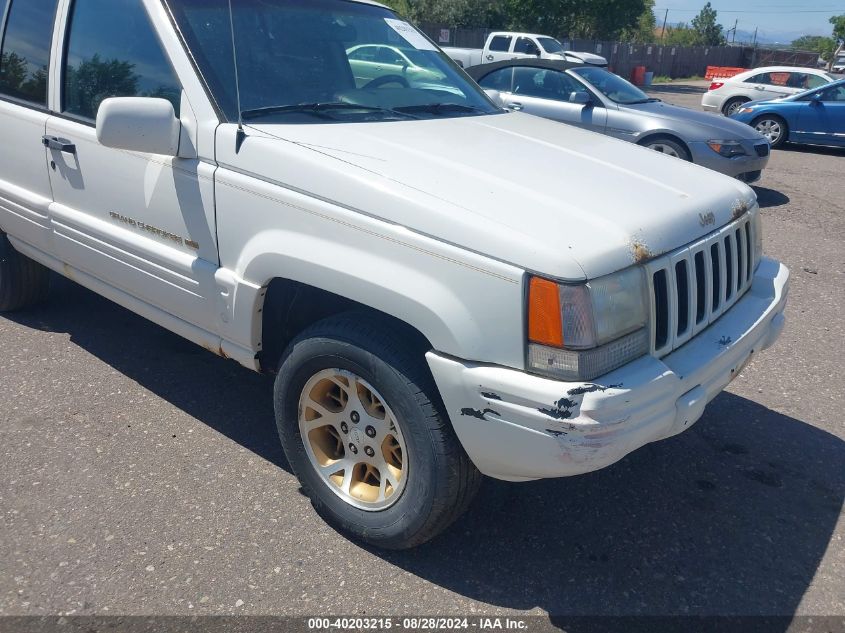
546,197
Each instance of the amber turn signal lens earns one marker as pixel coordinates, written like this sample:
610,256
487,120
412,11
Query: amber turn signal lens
544,318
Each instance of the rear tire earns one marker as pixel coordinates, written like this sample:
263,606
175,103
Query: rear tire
23,282
773,128
733,105
386,467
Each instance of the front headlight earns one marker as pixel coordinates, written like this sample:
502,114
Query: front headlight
728,149
745,111
579,332
757,228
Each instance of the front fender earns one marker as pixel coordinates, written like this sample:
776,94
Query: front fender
466,305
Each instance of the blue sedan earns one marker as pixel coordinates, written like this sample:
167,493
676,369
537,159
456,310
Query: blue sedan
815,117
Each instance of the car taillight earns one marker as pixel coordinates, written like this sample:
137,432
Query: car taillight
716,85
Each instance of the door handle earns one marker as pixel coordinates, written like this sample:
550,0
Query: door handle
59,144
516,106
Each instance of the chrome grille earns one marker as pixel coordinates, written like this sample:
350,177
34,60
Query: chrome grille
692,287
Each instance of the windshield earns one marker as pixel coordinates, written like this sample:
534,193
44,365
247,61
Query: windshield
550,45
313,61
612,86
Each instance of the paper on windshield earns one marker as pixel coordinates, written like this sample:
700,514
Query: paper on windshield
410,35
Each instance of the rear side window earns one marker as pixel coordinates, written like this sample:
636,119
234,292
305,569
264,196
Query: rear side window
501,43
25,53
113,51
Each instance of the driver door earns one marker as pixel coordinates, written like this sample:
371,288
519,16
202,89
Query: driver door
549,93
822,121
142,224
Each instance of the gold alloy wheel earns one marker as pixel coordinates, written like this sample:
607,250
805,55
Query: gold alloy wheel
353,440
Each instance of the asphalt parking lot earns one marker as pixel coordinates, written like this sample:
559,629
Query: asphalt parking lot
141,475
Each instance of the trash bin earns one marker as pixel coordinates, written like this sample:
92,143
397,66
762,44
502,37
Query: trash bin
649,78
638,75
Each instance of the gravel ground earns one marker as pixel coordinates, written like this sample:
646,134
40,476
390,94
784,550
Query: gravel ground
141,475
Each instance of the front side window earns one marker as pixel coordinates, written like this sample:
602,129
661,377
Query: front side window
612,86
25,52
501,43
322,61
545,84
834,94
113,51
550,45
526,46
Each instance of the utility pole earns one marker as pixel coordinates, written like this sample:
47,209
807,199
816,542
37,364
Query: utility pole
733,39
754,43
663,32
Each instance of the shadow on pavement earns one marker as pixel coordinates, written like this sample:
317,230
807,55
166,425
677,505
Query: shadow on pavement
813,149
218,392
770,198
730,518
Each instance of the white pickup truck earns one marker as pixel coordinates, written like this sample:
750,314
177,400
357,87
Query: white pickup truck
441,288
509,45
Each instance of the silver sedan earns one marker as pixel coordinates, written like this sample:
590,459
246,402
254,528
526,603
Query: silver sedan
598,100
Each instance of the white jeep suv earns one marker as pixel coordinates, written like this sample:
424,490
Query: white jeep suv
441,288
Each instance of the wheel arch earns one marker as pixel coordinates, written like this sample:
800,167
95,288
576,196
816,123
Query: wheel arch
288,307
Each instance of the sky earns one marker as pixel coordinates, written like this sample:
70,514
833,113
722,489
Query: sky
778,20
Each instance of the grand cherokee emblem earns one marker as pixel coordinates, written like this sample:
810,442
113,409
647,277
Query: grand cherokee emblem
706,219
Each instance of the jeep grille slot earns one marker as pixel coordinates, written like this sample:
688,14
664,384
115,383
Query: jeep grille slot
692,287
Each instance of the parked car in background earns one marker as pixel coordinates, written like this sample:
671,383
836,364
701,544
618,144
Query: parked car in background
815,117
375,65
772,82
596,99
508,45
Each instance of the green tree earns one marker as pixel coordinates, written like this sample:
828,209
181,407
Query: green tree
680,35
820,44
643,32
13,72
838,22
94,80
597,19
708,31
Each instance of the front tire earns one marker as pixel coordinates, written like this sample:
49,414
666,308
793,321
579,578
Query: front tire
773,128
668,146
23,282
361,425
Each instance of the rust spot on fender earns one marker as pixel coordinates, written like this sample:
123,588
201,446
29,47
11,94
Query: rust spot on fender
739,209
491,395
641,252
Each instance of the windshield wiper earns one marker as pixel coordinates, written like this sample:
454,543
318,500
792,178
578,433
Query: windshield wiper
439,108
638,101
320,110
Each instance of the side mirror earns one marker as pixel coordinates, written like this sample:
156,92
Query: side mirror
495,97
139,124
581,98
816,99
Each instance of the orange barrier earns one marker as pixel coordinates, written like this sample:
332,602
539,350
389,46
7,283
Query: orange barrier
722,72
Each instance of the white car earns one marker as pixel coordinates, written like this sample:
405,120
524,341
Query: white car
442,289
504,45
761,84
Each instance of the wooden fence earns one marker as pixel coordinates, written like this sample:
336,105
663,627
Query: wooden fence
668,61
